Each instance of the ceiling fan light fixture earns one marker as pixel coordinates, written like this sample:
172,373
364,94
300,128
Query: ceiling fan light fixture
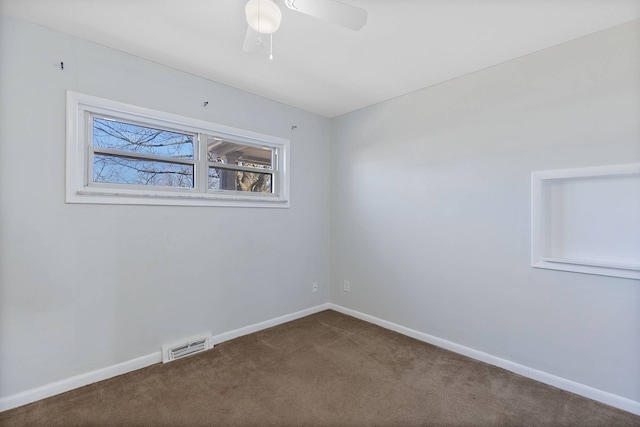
263,16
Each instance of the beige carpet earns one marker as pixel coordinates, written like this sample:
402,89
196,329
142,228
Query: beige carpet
327,369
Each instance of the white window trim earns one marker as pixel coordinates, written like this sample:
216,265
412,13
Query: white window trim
78,189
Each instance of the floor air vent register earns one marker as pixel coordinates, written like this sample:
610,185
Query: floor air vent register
186,347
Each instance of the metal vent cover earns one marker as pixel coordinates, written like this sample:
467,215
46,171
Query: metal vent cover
186,347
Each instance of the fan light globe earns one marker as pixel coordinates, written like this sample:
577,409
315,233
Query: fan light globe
263,16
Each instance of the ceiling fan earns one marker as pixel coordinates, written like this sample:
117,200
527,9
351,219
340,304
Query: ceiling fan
264,16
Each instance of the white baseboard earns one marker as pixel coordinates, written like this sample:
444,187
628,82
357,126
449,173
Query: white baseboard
48,390
77,381
217,339
543,377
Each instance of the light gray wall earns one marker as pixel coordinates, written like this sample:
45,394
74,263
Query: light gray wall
83,287
430,209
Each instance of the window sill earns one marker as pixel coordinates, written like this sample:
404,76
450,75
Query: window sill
174,199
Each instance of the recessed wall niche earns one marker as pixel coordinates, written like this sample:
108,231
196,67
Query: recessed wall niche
587,220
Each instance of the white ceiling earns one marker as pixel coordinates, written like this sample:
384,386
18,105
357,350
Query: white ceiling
406,45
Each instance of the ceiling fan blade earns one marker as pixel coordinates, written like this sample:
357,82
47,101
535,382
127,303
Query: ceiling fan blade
339,13
253,41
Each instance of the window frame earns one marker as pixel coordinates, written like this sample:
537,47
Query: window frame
80,188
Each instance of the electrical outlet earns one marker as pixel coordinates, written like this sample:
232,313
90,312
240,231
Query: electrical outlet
347,286
314,287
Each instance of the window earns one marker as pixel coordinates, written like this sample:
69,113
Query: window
123,154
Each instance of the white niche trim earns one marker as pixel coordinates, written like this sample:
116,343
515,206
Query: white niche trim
587,220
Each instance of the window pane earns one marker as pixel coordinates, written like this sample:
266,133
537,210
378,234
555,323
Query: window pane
231,153
126,170
108,133
225,179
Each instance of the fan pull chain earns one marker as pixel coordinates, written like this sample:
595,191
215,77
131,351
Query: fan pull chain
271,47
